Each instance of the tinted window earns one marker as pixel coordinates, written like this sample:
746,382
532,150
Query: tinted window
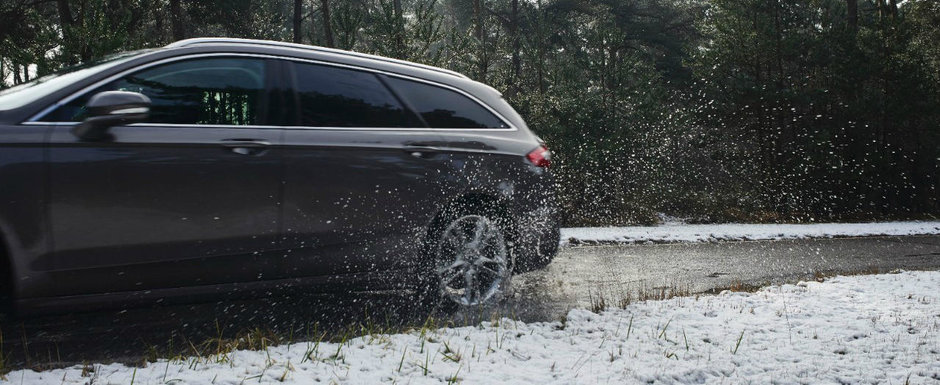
338,97
443,108
202,91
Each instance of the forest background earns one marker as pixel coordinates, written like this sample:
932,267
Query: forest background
707,110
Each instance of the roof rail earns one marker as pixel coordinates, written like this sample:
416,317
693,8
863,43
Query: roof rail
226,40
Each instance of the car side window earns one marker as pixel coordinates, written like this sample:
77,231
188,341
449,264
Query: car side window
339,97
443,108
217,91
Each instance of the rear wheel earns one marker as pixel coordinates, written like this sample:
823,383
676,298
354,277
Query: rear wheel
471,262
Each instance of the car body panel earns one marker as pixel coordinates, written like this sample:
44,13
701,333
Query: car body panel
349,201
161,197
23,221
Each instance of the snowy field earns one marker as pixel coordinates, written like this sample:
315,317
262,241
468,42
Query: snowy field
851,330
677,232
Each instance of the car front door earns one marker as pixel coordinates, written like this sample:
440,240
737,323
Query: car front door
188,198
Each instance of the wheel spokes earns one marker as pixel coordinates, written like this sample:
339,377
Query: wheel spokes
452,277
478,231
469,282
477,253
453,266
487,269
481,260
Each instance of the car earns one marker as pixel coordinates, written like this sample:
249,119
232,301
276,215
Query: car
215,167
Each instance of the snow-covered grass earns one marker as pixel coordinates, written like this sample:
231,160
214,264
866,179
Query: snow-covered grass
678,232
859,329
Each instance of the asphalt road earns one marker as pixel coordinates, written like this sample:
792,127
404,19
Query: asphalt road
579,277
579,274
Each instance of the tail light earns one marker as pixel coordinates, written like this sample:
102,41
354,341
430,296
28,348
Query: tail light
540,157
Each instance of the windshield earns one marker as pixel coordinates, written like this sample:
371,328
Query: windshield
26,93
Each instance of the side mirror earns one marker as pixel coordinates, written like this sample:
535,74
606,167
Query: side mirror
111,108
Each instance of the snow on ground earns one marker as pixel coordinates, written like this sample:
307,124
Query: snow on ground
861,329
677,232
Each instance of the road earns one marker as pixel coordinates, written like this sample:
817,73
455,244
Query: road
613,272
579,277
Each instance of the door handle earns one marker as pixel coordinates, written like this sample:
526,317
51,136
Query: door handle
245,146
423,152
245,143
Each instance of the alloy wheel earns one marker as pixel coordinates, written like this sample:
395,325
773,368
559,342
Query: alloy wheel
473,265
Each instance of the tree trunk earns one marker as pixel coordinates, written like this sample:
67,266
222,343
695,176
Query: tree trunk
852,10
176,20
478,19
514,35
66,21
85,52
882,9
540,62
397,6
399,39
478,33
298,9
327,27
65,14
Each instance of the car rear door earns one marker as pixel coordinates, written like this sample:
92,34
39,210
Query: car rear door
188,198
362,174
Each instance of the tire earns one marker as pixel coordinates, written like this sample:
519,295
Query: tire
540,253
470,263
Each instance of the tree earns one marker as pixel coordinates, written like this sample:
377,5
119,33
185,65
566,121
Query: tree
298,20
176,19
327,23
714,109
852,15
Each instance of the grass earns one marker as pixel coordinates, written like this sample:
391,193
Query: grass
402,361
218,349
738,344
454,379
738,287
820,276
630,328
598,301
663,333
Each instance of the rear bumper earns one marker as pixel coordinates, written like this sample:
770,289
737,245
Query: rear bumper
536,241
537,229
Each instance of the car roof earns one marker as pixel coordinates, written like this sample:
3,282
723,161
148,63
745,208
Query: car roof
271,43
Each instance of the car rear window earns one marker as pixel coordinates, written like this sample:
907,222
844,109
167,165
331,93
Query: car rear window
338,97
443,108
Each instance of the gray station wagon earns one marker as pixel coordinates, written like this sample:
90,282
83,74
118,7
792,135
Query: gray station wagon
215,167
